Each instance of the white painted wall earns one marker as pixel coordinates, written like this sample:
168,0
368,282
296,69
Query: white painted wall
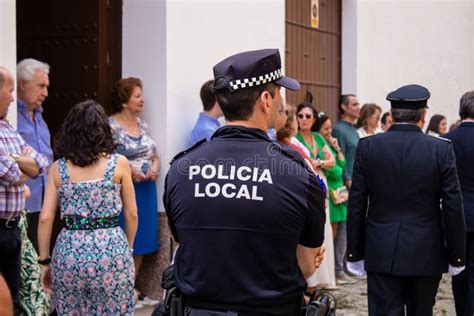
172,46
402,42
8,45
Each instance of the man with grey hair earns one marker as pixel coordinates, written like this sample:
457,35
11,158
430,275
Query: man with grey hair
463,284
395,219
33,83
18,162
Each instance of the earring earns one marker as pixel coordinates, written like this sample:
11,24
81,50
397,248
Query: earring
124,105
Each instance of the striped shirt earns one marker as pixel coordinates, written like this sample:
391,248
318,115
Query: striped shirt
12,196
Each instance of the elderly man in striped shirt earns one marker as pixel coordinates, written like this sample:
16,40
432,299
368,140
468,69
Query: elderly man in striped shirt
18,162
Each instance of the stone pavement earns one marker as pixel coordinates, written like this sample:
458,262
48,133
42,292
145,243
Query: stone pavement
145,311
352,300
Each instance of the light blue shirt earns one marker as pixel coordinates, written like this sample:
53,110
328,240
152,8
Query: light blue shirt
37,136
204,128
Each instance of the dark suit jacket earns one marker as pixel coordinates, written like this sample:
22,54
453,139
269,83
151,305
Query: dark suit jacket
463,144
395,220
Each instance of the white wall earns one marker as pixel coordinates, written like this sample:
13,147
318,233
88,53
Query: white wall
402,42
172,46
8,45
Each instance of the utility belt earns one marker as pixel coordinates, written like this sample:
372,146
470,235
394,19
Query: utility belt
177,304
86,223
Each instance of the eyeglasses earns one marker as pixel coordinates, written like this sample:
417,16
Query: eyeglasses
307,116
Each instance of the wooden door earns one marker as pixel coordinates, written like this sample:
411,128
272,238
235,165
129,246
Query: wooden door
313,55
81,41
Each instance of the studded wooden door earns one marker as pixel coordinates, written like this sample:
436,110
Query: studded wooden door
313,55
81,41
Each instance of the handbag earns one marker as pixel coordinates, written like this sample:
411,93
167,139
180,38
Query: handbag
340,195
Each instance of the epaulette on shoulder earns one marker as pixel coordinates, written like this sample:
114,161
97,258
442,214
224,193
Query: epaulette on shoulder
188,150
441,138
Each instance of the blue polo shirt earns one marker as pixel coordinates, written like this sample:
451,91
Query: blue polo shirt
36,134
204,128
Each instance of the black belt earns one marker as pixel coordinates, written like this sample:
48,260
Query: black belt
86,223
9,223
291,308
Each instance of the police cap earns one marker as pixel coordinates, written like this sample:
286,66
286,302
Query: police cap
250,69
409,97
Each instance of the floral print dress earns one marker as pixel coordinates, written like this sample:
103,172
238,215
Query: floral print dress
92,270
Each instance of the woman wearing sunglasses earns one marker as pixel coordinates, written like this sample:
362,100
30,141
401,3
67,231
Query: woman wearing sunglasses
321,159
320,154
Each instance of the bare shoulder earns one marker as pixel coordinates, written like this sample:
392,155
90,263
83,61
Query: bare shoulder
122,161
122,165
55,174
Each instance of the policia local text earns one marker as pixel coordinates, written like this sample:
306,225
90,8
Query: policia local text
231,190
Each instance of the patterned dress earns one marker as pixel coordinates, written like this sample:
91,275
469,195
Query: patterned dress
139,151
92,270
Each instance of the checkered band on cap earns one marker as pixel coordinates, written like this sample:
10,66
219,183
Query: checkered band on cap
256,81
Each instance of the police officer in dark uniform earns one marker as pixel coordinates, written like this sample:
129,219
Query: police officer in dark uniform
395,221
248,215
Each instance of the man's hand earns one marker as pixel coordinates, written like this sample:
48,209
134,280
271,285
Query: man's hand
319,257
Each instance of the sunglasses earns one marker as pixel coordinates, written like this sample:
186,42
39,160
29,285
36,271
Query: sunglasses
307,116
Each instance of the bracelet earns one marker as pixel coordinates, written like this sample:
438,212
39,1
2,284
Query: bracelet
44,262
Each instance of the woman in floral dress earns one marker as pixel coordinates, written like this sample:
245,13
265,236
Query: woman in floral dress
92,271
134,142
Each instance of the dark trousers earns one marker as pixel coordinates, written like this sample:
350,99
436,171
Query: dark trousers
390,295
463,283
33,219
10,264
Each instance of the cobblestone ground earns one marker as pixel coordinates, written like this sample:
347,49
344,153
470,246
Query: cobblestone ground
352,299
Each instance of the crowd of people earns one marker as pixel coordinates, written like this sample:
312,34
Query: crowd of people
103,184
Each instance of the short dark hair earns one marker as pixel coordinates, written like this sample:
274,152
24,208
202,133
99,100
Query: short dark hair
433,125
121,93
238,105
466,108
407,115
208,98
344,99
85,134
384,117
287,130
367,111
311,106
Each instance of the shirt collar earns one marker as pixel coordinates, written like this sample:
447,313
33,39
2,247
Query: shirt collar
204,116
240,132
22,108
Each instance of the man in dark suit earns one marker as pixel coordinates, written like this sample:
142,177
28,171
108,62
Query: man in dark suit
462,138
395,220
